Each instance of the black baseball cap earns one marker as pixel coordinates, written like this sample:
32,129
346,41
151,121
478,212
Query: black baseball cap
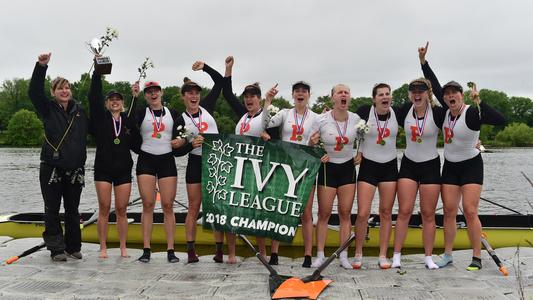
252,89
453,84
418,86
301,84
114,93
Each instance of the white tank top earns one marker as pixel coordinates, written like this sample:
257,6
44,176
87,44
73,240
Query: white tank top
251,126
297,130
339,148
421,148
459,140
156,132
379,144
204,121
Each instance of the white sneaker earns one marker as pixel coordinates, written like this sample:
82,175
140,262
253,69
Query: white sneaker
318,262
345,263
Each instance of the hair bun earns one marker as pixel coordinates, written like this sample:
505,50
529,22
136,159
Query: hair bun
186,80
256,84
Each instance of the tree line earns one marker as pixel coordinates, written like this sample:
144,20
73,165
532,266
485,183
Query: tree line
20,126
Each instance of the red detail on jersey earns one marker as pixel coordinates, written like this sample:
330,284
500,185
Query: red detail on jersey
295,132
203,127
414,133
161,129
245,129
341,141
448,134
382,135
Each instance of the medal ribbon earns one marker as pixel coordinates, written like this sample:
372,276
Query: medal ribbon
301,125
199,124
451,124
421,129
119,123
157,124
381,132
341,134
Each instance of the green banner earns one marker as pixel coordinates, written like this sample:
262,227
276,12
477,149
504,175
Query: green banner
254,187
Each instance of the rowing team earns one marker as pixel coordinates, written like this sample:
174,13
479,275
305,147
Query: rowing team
156,133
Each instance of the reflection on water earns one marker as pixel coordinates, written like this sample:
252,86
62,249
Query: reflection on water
20,191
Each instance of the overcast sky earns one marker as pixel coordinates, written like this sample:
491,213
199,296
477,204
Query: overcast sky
359,43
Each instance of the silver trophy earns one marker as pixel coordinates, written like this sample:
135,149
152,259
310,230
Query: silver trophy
102,64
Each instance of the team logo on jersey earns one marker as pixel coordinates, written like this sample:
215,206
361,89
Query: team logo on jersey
448,135
203,127
158,128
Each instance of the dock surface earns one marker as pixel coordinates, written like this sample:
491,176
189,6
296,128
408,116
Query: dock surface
37,277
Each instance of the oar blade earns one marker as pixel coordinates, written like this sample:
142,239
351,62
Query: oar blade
12,259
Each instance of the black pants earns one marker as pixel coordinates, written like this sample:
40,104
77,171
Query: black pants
52,194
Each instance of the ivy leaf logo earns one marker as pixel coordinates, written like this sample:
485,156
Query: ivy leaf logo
227,150
212,172
210,188
217,146
222,180
222,194
213,159
226,166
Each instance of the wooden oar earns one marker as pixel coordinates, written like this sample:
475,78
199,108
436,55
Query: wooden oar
34,249
527,178
492,254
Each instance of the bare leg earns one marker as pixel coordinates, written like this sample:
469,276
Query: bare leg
471,194
451,196
365,194
387,194
307,224
230,239
146,185
429,195
407,189
194,191
167,190
326,195
103,191
345,198
122,194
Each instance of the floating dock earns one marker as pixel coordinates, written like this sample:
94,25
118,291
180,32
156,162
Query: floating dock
37,277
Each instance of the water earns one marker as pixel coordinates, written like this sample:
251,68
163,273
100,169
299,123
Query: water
20,191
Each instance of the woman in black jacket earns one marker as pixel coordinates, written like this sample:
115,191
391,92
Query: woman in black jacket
63,157
115,135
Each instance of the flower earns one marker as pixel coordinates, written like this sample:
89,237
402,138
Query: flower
183,132
273,110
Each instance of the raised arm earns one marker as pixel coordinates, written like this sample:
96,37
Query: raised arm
428,74
227,90
209,101
36,88
96,102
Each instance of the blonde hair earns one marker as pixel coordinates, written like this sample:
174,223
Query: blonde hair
338,86
431,100
58,83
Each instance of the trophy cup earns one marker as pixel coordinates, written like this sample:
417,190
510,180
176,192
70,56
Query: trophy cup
102,64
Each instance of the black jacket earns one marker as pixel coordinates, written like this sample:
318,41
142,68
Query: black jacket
72,152
111,157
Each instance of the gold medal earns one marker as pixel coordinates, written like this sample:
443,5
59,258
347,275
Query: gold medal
55,155
299,138
116,141
419,140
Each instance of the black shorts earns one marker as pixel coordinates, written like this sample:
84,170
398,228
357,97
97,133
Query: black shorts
373,172
463,172
337,174
160,166
426,172
115,178
194,169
